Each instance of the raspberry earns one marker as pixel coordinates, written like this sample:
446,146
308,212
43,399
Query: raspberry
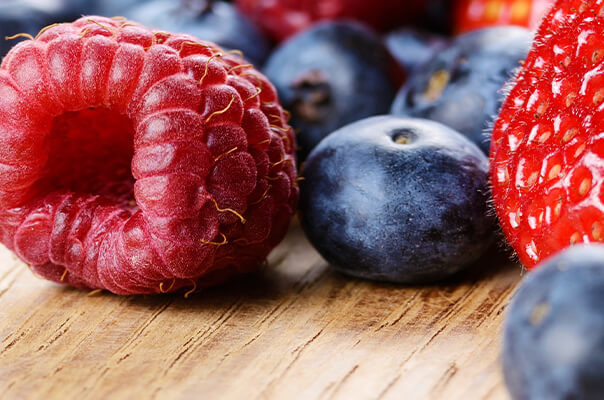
140,161
547,152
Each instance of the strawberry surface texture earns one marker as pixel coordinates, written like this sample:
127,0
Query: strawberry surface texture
140,161
547,152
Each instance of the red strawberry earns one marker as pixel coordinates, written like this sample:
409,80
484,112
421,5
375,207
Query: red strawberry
547,152
139,161
476,14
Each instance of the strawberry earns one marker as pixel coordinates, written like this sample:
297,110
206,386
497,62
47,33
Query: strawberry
547,152
476,14
139,161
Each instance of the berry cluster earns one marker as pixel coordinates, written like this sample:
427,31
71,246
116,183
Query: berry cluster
143,161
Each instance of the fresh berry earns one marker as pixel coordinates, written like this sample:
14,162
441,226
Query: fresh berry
554,331
215,21
547,156
461,85
477,14
412,48
284,18
139,161
394,199
331,75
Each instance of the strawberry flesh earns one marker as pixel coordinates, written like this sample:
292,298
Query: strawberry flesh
547,152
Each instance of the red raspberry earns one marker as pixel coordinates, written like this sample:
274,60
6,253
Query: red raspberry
139,161
547,151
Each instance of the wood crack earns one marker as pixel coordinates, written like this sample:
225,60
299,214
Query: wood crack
342,381
59,332
404,312
13,342
198,339
252,340
297,354
492,305
418,349
147,323
277,311
445,378
389,386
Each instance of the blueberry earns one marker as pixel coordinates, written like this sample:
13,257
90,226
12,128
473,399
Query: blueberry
461,86
554,332
395,199
330,75
412,48
214,21
436,16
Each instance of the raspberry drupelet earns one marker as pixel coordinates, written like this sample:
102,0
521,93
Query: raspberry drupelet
140,161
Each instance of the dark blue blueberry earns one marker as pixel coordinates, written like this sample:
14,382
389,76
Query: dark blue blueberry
437,16
461,86
396,199
412,48
214,21
554,332
330,75
29,16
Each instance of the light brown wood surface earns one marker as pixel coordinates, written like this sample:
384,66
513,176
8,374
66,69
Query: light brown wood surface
295,330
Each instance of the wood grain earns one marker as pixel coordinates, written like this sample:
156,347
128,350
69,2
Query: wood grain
295,330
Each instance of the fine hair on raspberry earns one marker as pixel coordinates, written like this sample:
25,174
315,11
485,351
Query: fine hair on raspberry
140,161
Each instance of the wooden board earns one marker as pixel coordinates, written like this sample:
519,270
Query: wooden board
295,330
